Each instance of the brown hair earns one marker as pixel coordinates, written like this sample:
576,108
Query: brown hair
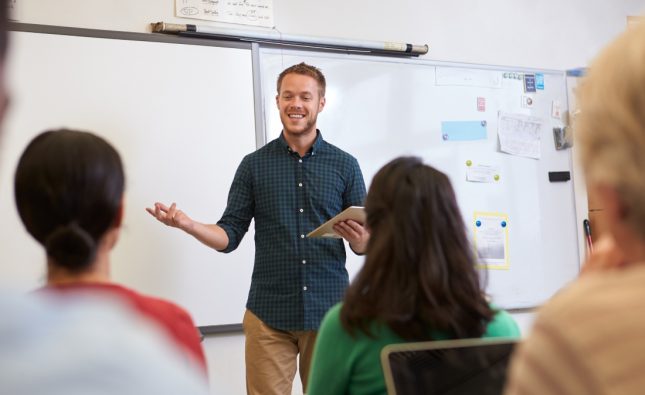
308,70
419,275
610,129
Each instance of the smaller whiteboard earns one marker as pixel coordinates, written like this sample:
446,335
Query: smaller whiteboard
379,108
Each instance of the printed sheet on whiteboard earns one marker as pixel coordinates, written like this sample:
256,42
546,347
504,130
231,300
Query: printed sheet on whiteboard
247,12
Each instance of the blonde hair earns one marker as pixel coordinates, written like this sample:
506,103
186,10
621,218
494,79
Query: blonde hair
308,70
610,129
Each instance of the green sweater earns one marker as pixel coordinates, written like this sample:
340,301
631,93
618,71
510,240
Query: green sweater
345,365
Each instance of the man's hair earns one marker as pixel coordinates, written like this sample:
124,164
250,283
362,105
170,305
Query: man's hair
308,70
419,275
610,128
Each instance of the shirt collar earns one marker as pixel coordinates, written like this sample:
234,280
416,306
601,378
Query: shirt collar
315,147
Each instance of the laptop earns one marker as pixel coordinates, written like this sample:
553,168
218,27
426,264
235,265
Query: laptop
447,367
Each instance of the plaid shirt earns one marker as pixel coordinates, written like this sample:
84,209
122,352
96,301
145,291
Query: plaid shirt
295,279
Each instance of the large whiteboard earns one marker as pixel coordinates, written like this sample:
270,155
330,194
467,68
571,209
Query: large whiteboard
380,108
182,118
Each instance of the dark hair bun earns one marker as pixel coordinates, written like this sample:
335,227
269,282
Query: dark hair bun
71,247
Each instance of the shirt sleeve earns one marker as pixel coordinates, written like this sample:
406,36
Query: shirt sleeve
355,189
331,363
240,206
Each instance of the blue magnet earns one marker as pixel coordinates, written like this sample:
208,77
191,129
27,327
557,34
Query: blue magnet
445,136
503,224
478,223
484,123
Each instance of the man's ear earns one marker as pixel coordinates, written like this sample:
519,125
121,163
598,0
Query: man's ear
277,102
322,104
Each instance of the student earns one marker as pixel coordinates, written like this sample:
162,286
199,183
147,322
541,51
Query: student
62,345
69,193
418,283
589,339
289,187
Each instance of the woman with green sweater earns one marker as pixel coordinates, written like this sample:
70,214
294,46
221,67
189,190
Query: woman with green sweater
418,283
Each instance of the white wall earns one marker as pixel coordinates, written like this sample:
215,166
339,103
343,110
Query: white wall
556,34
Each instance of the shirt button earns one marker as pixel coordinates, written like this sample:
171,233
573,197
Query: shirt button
299,184
301,210
299,160
302,236
304,288
304,261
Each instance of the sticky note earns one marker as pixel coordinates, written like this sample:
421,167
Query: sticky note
463,130
539,81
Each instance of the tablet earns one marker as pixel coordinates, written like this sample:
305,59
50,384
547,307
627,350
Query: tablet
355,213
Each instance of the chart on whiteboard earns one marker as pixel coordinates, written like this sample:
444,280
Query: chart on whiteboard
245,12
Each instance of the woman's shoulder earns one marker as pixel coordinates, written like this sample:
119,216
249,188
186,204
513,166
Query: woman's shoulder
502,325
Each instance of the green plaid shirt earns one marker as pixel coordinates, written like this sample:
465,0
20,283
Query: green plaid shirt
295,279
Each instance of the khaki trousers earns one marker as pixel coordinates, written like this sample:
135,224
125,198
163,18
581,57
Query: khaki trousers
271,354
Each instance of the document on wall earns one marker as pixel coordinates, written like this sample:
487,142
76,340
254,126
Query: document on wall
480,172
491,239
245,12
519,134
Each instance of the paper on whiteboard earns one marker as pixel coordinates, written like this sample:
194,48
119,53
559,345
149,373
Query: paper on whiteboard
482,173
245,12
468,77
491,239
519,134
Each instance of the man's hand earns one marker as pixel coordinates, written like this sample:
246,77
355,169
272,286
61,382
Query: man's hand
605,256
354,233
171,216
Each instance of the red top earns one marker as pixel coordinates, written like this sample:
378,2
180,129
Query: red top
174,320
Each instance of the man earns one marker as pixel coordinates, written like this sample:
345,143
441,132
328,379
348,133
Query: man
590,338
290,186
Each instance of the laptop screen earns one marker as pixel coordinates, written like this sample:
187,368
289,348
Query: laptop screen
453,367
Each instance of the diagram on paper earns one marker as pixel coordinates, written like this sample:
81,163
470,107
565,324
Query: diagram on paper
491,239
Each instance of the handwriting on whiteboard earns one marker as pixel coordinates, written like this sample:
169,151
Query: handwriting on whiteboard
245,12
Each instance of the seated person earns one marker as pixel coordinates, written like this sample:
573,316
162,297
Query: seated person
69,193
590,337
61,344
418,283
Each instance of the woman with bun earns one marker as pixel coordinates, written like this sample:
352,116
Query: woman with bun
69,194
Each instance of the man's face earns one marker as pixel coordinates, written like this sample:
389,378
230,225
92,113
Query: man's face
299,103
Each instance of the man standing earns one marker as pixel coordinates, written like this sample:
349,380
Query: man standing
290,186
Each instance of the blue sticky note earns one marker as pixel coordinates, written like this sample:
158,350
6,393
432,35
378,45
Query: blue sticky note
463,130
539,81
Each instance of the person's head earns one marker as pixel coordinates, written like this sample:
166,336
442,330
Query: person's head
419,272
301,96
69,190
610,133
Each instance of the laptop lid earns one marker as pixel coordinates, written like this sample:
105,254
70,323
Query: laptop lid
450,367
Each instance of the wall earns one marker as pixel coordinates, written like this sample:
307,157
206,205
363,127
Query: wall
552,34
547,34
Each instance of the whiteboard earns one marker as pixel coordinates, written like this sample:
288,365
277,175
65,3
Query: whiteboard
379,108
182,118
